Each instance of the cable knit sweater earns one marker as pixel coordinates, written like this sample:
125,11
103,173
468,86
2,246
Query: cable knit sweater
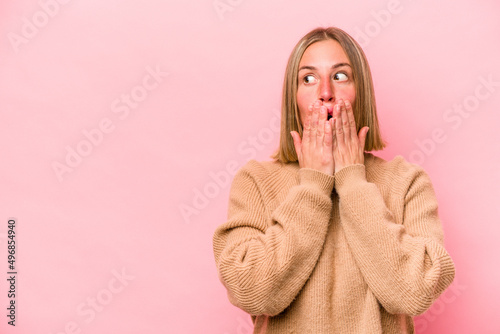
358,252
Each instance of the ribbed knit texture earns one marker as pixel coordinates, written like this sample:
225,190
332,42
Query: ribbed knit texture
358,252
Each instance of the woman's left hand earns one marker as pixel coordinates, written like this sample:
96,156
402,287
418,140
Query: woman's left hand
348,146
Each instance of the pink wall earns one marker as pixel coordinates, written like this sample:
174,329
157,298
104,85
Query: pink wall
162,98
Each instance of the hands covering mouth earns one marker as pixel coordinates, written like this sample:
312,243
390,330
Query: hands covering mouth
330,141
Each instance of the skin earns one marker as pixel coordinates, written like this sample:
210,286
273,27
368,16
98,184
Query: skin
326,88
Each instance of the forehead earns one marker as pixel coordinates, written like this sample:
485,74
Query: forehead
326,53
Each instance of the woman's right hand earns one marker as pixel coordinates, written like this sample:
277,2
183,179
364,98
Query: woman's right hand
315,149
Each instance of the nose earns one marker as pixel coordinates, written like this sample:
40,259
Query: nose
326,93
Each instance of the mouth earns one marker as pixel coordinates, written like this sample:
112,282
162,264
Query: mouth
330,111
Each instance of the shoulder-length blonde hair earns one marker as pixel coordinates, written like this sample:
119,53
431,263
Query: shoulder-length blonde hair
365,111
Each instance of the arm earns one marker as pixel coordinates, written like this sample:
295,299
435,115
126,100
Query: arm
265,258
405,265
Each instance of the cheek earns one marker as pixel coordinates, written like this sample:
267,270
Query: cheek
303,102
351,99
348,93
301,97
352,96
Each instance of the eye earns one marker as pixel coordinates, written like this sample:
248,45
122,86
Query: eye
309,79
340,77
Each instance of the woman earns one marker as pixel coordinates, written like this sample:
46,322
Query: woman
328,238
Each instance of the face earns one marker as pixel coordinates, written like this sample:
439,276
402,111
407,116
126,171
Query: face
325,74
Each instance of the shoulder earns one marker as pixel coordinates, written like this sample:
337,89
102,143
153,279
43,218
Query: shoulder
395,173
265,171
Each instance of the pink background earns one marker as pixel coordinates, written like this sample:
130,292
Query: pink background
152,182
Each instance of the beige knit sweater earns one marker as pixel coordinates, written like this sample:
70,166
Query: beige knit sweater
363,258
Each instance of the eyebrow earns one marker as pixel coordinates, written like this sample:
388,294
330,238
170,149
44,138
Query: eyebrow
314,68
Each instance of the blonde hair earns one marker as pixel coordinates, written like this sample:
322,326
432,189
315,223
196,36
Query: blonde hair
365,111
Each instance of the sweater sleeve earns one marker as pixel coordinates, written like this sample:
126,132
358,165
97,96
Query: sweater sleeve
404,264
264,258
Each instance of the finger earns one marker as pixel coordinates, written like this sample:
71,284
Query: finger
332,126
335,142
328,139
351,120
345,122
323,113
321,125
307,126
315,123
315,115
339,130
297,143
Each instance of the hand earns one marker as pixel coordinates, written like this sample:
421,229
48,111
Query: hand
315,150
348,146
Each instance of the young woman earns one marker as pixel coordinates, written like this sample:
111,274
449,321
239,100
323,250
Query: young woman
328,238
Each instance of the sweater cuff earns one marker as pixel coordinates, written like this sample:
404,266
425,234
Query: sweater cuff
348,176
313,177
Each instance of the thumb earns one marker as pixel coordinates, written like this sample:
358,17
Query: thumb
362,136
297,142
